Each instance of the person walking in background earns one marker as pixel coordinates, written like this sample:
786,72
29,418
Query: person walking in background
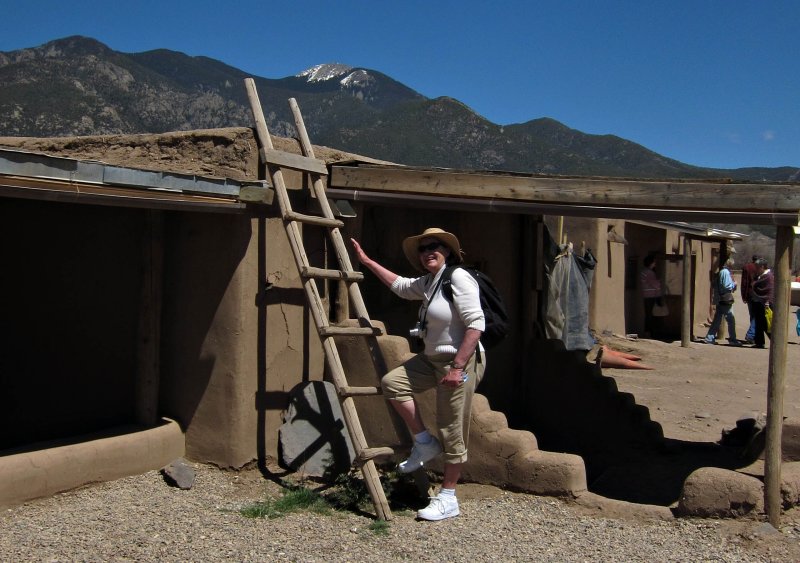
748,275
723,299
762,294
652,295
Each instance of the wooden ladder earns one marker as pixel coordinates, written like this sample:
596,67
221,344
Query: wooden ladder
275,161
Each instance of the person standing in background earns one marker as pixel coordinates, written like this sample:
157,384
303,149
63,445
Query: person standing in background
748,275
723,299
652,294
762,294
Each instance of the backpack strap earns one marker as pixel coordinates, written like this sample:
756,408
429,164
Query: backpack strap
447,282
447,292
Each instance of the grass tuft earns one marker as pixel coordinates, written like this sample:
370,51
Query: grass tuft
293,500
379,527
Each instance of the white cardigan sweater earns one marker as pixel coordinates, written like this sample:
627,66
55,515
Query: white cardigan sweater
446,322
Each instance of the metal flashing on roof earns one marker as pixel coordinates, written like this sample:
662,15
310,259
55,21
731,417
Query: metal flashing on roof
57,173
695,230
37,165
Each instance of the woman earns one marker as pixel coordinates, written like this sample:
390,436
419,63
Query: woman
652,295
762,295
451,332
723,300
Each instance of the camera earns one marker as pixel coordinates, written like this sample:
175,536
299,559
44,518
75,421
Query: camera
418,331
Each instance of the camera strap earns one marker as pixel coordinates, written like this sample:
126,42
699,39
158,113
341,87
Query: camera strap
423,311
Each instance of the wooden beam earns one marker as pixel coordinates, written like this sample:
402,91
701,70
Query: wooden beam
777,375
293,161
686,296
519,207
149,336
257,194
577,191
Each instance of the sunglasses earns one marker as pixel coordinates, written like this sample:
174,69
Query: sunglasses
422,248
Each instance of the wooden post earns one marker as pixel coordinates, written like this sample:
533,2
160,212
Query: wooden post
149,337
777,375
686,296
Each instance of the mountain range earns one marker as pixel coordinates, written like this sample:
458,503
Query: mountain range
79,86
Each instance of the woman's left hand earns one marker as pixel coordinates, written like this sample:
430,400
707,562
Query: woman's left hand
454,378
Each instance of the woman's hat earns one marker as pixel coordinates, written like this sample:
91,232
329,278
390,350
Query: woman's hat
411,245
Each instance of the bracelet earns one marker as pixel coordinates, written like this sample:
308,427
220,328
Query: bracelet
453,366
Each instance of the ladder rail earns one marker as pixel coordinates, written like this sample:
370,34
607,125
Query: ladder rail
318,186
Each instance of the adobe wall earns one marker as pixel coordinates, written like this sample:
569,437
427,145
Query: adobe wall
706,260
643,240
231,349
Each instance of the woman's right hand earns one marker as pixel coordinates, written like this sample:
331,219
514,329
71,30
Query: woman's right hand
360,254
386,276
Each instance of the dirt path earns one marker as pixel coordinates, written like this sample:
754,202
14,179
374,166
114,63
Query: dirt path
696,392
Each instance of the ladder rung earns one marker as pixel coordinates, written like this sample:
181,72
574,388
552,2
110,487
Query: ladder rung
313,219
360,391
349,331
310,272
371,453
294,161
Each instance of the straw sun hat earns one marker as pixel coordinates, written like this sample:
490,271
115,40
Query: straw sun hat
411,244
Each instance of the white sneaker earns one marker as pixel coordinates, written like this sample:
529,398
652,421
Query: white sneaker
441,507
420,455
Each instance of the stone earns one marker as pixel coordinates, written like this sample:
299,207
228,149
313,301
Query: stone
313,439
179,474
712,492
790,483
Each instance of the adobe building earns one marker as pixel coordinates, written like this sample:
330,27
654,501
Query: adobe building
158,312
155,309
620,247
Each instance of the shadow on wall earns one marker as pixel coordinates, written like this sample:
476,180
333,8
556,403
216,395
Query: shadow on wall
573,408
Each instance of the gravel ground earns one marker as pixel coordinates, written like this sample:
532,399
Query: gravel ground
143,519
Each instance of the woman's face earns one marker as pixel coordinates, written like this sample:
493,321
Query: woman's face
432,254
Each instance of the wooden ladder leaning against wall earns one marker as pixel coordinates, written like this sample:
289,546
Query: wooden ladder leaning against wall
275,161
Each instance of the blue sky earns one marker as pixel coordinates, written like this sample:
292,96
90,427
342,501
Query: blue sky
707,82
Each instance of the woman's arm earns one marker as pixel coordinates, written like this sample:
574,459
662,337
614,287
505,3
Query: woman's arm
465,351
386,276
727,280
466,301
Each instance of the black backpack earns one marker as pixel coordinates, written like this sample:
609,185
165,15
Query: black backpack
494,310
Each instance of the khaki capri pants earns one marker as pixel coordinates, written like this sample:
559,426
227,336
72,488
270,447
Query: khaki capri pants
453,405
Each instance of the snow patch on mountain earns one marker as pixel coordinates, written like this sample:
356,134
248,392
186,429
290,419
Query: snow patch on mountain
347,76
324,72
357,78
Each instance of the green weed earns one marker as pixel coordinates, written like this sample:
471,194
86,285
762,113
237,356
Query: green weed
379,527
293,500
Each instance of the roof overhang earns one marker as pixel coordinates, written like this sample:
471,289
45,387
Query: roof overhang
615,198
